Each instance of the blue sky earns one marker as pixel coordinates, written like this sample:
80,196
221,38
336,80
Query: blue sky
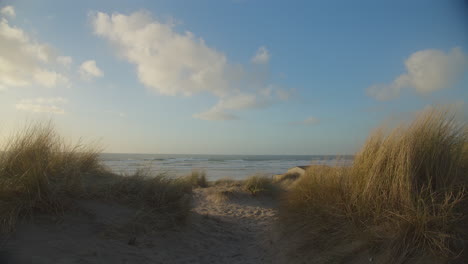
229,77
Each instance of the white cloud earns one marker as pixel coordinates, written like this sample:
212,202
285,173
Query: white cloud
169,62
174,63
262,56
236,102
48,78
24,61
427,71
64,60
43,105
8,11
89,70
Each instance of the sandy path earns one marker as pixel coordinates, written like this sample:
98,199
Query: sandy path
235,231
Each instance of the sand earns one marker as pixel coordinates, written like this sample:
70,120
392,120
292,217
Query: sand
239,230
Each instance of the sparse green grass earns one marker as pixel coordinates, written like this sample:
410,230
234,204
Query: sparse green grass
41,174
402,201
260,185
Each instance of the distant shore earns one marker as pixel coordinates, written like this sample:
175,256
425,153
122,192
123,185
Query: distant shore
216,166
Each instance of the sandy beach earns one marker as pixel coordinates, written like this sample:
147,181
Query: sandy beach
61,205
234,231
238,131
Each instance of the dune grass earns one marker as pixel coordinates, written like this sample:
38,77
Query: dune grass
287,178
197,178
227,182
224,193
402,201
151,192
39,173
161,201
286,181
260,185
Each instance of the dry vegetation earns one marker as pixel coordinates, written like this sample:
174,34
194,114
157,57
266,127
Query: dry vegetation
402,201
287,180
222,194
257,185
224,190
41,174
226,182
260,185
197,178
162,200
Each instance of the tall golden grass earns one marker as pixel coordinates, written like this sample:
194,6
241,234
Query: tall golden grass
402,201
260,185
197,178
39,173
159,194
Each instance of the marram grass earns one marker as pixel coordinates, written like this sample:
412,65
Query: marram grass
39,173
402,201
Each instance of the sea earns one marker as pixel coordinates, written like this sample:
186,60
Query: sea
215,166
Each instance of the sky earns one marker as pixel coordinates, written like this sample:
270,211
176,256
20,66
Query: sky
231,76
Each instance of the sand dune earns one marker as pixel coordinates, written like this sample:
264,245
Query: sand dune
233,231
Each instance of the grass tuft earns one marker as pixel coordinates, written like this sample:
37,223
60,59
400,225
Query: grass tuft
161,200
197,178
403,199
260,185
223,194
227,182
39,173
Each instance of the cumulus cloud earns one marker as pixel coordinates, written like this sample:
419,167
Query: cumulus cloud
24,61
8,11
43,105
64,60
262,56
49,78
168,62
174,63
236,102
89,70
426,71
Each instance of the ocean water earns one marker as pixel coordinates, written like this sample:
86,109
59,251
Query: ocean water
215,166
